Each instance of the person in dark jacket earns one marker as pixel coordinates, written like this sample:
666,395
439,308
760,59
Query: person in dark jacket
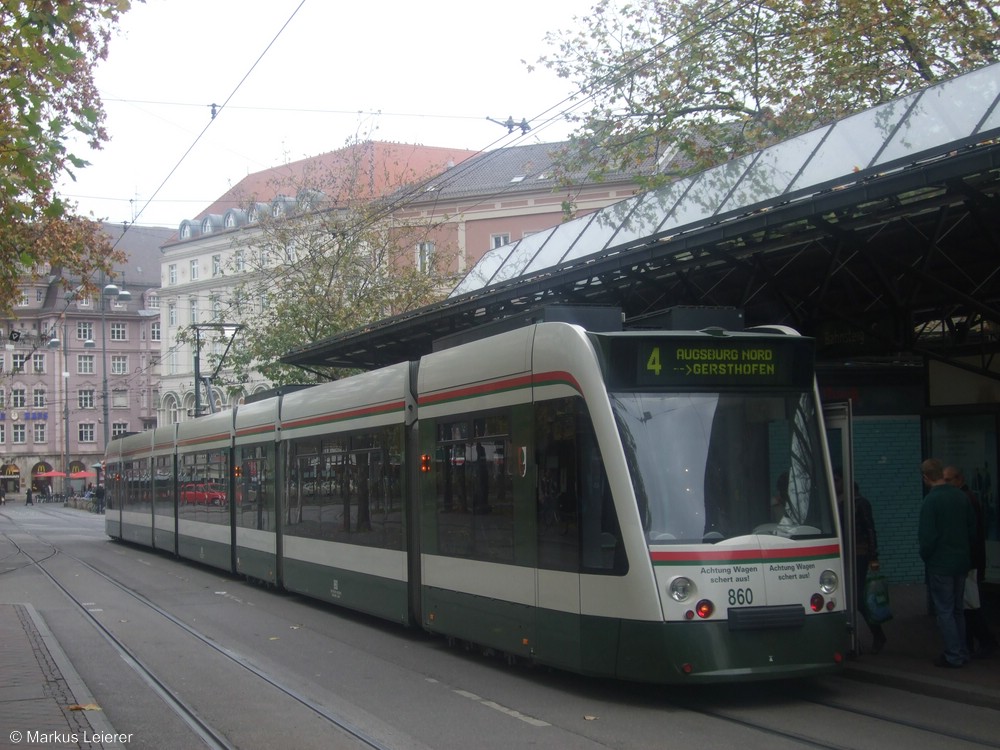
865,551
976,627
946,535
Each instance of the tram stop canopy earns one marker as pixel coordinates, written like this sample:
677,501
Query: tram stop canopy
878,234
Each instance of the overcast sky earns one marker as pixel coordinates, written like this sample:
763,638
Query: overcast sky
435,70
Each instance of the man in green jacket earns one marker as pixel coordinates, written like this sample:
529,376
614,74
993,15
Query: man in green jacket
946,534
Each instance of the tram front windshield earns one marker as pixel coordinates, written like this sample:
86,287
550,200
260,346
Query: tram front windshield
712,466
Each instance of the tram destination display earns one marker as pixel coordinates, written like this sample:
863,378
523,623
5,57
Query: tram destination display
689,362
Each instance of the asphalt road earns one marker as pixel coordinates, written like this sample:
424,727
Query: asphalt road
182,656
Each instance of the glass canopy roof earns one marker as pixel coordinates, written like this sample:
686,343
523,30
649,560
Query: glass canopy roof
958,112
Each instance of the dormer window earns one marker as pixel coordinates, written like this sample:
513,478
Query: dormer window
188,229
206,226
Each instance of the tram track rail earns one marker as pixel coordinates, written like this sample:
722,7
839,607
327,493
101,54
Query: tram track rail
183,709
759,713
933,735
909,724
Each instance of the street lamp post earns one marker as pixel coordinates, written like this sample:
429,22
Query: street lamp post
229,331
108,291
54,344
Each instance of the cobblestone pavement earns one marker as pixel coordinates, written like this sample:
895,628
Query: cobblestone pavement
43,702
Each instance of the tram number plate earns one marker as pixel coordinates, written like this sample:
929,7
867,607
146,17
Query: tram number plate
740,597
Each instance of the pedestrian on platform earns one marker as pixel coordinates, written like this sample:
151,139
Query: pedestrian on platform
865,552
946,535
977,630
28,500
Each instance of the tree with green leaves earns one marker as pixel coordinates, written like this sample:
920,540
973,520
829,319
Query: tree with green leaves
47,98
697,83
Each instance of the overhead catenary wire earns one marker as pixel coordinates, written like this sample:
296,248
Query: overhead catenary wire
220,108
639,60
555,114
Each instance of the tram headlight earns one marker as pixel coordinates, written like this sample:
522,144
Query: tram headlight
828,582
681,588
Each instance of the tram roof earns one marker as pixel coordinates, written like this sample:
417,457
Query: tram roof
877,234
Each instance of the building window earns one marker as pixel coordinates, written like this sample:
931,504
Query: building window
118,331
38,362
193,303
39,432
85,364
18,398
153,302
3,433
154,331
85,398
24,300
3,399
119,364
87,433
84,302
38,398
172,314
216,265
84,331
172,274
240,260
118,429
119,399
194,270
18,434
499,240
19,361
425,257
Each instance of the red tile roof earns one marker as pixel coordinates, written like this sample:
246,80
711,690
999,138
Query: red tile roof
359,172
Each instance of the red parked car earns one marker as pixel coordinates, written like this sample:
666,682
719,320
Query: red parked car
202,494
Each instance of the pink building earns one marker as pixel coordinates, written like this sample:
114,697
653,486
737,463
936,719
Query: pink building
76,371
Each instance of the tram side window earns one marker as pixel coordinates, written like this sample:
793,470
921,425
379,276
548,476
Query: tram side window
202,477
113,486
347,488
136,485
577,524
163,490
254,490
475,504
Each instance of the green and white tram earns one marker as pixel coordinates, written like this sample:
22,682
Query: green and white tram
645,505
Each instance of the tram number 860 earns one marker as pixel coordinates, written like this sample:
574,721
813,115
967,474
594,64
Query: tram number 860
740,597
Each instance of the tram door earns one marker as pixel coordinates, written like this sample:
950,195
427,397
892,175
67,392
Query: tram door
840,442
